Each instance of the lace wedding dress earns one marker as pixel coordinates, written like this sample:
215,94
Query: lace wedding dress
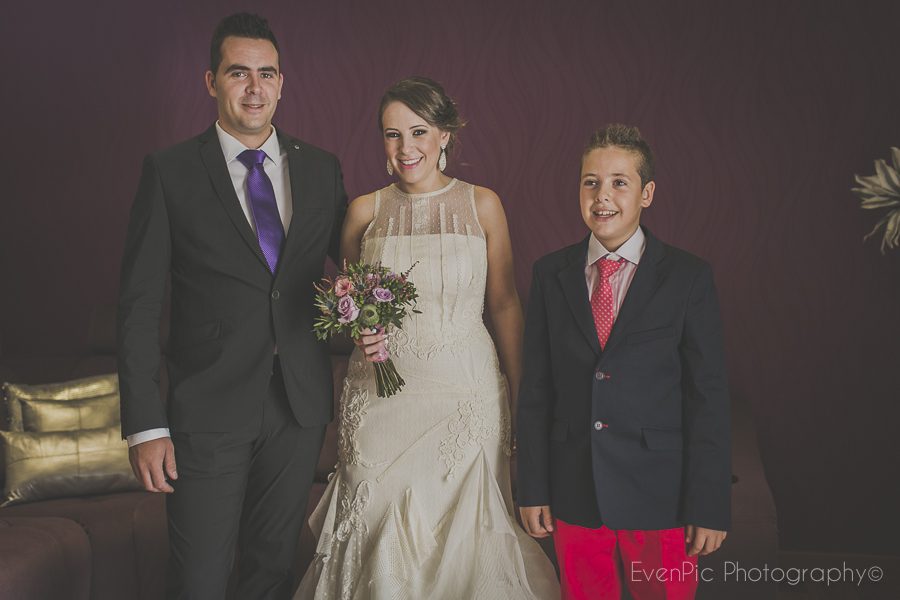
420,505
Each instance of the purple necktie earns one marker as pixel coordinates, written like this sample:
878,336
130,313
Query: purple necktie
261,196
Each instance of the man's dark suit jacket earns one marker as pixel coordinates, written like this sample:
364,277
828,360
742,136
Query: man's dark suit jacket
636,436
228,312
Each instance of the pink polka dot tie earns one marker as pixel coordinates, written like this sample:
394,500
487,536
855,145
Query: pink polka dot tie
602,306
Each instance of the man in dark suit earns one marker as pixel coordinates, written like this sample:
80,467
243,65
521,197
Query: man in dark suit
623,413
239,221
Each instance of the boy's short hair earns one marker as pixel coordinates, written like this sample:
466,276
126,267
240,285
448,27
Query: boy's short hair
628,138
243,25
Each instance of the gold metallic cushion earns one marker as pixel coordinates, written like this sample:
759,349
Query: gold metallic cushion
47,465
72,415
77,389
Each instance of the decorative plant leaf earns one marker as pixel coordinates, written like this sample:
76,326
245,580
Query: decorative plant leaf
891,232
879,202
882,190
887,175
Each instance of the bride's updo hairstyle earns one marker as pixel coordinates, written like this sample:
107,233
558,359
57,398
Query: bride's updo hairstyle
427,98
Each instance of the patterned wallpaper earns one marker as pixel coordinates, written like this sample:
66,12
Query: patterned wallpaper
759,113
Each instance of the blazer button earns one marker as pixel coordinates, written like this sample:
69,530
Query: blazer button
276,294
600,375
600,425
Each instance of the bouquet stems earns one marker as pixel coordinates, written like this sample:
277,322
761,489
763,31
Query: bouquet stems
387,380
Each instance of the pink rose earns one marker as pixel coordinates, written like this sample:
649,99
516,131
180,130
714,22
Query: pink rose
342,287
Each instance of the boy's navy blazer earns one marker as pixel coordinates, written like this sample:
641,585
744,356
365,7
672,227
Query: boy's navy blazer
636,436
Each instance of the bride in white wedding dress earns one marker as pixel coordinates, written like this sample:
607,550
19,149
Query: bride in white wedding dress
420,506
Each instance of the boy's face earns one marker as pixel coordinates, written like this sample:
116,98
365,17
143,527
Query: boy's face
612,195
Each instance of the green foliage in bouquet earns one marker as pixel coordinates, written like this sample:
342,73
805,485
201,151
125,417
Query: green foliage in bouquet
363,297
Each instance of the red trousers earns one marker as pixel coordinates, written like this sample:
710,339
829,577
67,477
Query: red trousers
654,565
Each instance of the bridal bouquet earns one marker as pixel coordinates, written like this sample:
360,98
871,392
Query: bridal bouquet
362,297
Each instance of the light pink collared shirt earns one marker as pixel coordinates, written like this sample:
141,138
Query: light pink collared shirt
620,281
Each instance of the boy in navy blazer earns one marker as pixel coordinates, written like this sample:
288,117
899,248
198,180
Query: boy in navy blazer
623,414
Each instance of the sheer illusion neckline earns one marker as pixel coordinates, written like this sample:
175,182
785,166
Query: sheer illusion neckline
425,194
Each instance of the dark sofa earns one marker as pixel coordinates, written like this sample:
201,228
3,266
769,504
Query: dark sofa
111,546
46,557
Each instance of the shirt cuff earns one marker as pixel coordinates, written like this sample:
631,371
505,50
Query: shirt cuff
146,436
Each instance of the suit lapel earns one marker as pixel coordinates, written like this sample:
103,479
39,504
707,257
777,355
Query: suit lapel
643,285
298,170
573,284
214,161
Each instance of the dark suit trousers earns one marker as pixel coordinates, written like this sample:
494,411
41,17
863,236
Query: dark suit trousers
246,489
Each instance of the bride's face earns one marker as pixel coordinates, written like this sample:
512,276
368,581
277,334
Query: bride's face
413,148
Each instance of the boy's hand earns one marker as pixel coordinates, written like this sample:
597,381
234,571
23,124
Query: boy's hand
701,540
372,344
537,520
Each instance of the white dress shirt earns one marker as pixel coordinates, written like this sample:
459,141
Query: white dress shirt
620,281
277,168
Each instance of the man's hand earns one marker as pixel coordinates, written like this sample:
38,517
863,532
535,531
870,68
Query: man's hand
152,462
373,345
702,541
537,520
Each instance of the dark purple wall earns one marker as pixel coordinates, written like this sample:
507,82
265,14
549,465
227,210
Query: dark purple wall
759,117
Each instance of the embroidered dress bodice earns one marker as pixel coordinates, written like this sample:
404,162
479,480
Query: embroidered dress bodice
439,233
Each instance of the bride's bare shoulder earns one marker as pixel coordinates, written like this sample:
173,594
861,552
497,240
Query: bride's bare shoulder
362,209
489,209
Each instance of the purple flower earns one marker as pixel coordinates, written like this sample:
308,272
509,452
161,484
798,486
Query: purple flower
373,278
382,295
347,310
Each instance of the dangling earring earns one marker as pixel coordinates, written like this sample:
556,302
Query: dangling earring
390,167
442,161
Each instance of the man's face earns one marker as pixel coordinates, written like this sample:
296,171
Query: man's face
612,196
247,87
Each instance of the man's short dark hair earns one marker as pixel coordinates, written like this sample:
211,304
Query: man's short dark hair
628,138
243,25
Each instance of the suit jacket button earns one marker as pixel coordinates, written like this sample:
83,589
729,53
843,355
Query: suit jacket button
276,295
599,425
600,375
